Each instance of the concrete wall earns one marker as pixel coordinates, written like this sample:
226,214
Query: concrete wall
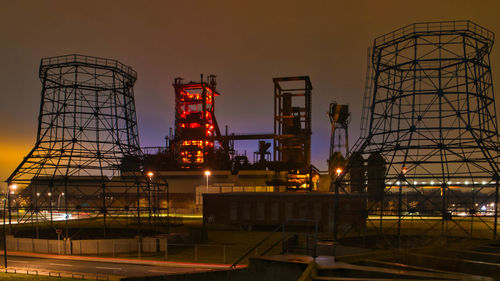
103,246
85,247
151,244
37,245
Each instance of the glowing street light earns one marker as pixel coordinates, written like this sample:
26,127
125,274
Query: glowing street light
59,201
12,188
207,174
50,206
150,174
338,172
4,227
4,235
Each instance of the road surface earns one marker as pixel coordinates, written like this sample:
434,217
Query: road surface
95,267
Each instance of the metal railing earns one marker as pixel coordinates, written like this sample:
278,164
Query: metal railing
88,60
286,238
444,26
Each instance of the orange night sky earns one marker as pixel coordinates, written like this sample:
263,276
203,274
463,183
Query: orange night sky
244,43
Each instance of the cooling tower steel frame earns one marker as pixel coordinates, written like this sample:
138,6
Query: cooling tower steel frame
86,160
433,120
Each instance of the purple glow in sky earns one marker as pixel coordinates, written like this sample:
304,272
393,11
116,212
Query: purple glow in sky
244,43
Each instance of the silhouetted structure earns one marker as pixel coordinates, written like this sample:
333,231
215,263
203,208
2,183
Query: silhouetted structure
195,123
292,129
85,162
339,118
432,120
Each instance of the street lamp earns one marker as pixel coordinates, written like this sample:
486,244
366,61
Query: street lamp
338,172
59,201
4,235
207,174
37,212
150,175
11,189
50,206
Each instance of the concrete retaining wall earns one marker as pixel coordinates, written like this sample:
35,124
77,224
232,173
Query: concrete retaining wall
85,247
37,245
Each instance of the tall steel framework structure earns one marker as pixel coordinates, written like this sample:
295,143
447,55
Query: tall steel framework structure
86,159
339,138
292,129
292,120
432,132
195,123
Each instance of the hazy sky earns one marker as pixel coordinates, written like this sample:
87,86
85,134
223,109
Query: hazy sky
244,43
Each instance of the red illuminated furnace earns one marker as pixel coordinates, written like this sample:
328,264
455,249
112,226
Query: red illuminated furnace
195,122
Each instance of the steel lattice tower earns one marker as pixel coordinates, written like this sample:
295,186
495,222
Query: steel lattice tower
86,156
432,120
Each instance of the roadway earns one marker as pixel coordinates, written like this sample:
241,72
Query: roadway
97,267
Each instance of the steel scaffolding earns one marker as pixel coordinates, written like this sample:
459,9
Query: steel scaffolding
86,160
292,130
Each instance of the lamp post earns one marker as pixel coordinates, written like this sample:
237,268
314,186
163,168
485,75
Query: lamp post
400,182
10,190
4,234
59,201
207,174
50,206
150,176
37,212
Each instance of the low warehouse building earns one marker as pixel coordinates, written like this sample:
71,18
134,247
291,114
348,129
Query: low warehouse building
274,208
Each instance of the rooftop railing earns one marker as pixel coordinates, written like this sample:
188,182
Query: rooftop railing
435,27
87,60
